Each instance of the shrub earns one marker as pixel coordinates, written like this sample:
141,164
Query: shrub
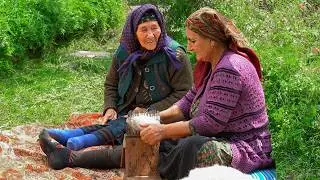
89,16
31,27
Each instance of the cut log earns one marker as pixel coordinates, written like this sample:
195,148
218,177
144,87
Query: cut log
141,159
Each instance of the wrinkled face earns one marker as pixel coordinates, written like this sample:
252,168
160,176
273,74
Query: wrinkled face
199,45
148,34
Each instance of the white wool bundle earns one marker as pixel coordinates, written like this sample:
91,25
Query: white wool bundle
146,119
135,119
217,172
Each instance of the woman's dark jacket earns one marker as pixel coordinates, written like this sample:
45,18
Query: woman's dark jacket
164,83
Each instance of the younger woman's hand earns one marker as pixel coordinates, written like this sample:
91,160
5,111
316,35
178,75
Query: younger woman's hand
152,133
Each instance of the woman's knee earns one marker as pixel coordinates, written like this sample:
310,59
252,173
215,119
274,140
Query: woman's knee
191,142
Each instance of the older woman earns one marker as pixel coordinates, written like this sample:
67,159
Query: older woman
149,71
223,118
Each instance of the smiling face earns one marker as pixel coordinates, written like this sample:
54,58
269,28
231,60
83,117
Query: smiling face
199,45
148,34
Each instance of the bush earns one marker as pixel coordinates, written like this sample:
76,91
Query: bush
28,28
89,16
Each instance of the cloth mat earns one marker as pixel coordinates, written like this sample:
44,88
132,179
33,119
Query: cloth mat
22,158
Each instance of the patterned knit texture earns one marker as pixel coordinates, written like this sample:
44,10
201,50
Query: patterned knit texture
232,106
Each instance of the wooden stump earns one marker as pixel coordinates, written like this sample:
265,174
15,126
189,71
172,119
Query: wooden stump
141,159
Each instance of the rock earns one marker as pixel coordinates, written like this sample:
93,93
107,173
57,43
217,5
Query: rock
91,54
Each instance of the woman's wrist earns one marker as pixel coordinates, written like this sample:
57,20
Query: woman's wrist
192,129
175,130
163,133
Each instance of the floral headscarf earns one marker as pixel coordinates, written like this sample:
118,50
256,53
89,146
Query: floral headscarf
211,24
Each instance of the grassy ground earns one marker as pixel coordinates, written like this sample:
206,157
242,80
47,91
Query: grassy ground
49,90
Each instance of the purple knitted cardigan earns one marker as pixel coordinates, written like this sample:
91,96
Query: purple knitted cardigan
232,106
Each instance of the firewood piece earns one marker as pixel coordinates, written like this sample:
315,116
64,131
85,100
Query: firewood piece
141,159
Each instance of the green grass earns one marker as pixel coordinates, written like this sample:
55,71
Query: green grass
50,90
47,94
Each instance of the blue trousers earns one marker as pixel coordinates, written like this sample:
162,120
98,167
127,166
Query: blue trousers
112,132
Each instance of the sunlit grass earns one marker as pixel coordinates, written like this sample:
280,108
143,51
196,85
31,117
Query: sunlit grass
49,91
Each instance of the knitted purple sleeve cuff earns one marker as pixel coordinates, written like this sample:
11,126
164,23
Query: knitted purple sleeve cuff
184,107
185,102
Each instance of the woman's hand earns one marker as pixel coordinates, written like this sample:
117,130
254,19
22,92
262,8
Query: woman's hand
152,133
110,114
139,110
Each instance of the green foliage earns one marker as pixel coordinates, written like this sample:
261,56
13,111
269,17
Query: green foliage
29,28
6,67
91,15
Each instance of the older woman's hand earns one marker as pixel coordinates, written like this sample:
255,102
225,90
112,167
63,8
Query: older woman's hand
110,114
152,133
139,110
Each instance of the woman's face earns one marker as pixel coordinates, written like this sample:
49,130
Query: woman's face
199,45
148,34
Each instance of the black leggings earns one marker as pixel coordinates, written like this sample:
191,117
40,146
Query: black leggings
178,157
106,158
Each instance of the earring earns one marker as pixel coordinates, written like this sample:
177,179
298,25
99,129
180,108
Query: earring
212,43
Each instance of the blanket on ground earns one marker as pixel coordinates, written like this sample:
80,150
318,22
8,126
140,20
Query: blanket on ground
22,158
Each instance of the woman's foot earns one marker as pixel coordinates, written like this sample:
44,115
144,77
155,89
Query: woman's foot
59,157
47,146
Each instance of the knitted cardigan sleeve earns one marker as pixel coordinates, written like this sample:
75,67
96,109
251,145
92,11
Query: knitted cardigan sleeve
221,97
185,102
